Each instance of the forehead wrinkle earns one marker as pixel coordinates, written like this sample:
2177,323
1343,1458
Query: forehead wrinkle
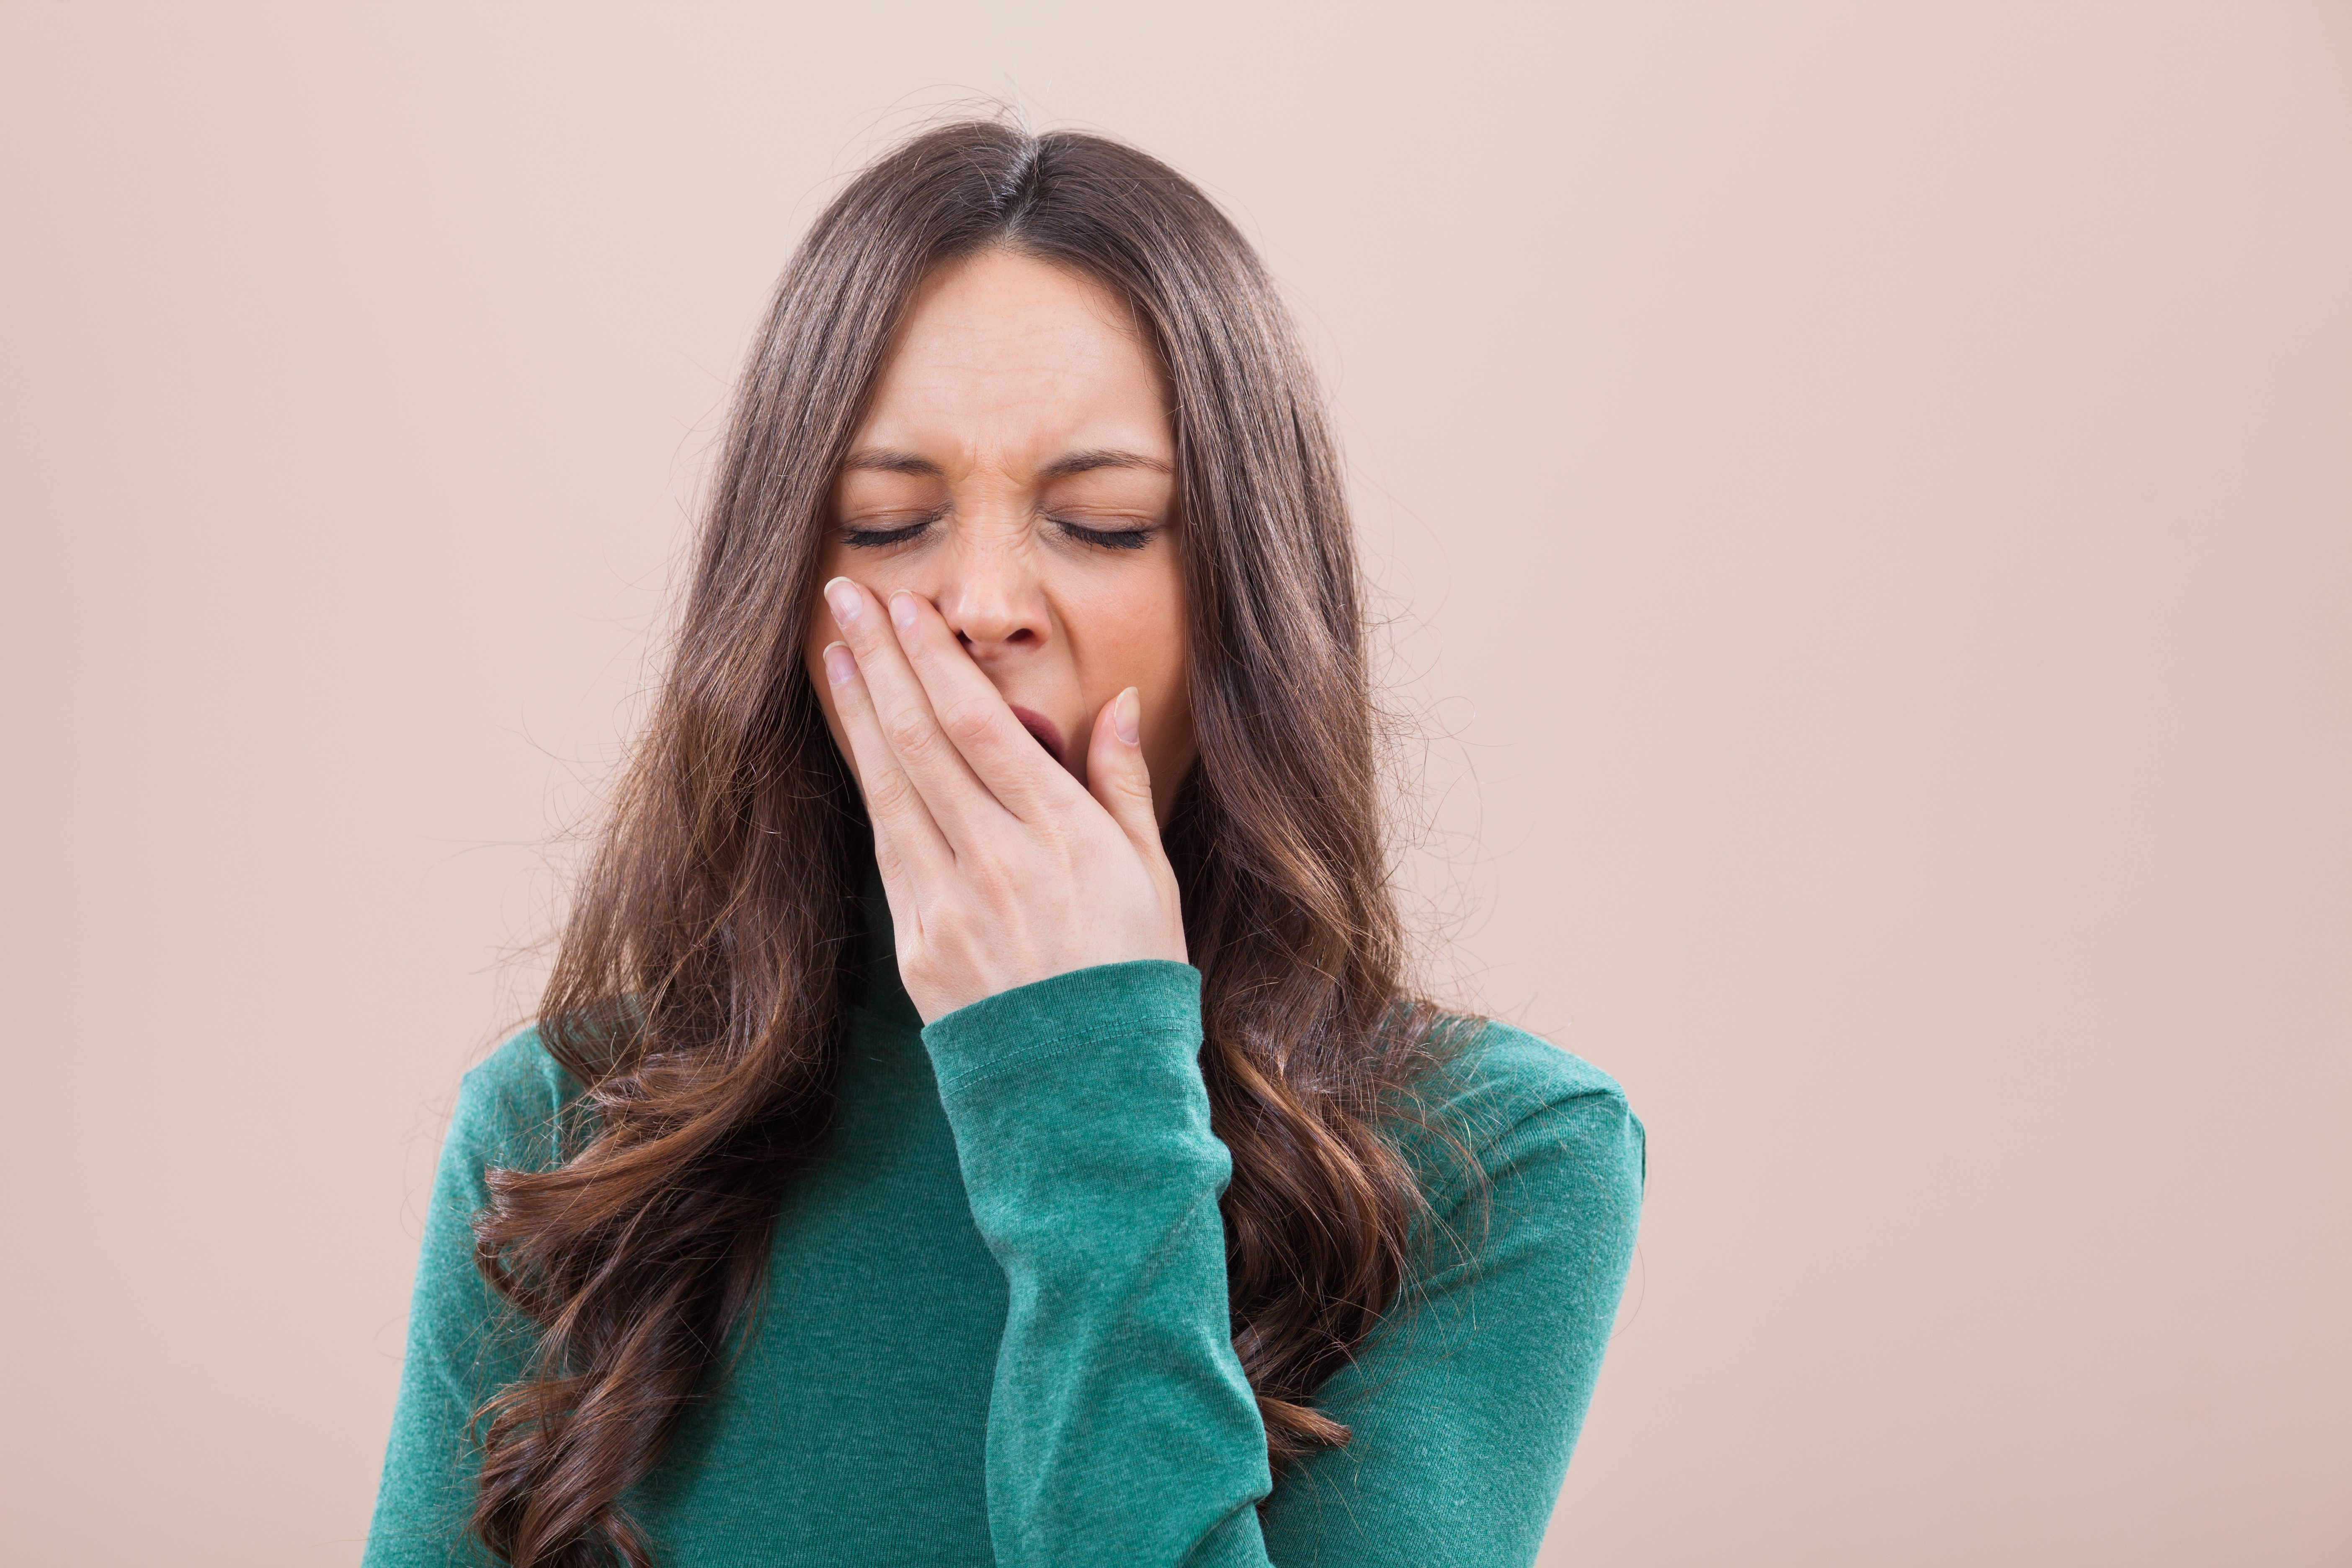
1008,377
1041,439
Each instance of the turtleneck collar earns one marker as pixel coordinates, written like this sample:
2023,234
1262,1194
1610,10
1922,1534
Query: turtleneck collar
874,983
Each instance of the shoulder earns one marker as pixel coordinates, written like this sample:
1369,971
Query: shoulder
1509,1101
1498,1070
511,1105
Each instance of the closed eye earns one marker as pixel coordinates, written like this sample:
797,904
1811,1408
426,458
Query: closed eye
1107,538
881,538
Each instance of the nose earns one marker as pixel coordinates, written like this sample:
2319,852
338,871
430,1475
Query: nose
993,600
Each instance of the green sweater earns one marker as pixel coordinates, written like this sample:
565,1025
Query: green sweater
995,1327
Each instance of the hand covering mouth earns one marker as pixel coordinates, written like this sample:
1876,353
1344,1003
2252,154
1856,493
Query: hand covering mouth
1048,733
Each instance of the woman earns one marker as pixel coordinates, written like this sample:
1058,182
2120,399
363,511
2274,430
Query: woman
974,1116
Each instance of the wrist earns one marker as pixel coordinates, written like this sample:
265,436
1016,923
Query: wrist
1152,997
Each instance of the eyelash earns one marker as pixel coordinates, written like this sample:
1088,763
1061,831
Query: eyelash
1101,537
1107,538
882,538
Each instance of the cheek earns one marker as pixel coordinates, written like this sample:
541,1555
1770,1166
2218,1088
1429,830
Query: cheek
1137,637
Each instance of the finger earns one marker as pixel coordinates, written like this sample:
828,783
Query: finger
1120,779
959,804
903,831
1026,778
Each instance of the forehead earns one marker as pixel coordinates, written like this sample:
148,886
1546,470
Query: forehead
1004,356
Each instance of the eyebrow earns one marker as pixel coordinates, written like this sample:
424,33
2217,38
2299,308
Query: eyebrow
885,460
1101,458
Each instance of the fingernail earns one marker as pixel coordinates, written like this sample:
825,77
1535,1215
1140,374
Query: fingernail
1126,717
841,594
839,665
902,608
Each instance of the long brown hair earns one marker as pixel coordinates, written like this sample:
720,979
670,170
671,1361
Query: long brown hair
698,988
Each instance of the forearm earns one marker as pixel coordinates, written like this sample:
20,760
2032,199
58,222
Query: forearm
1121,1426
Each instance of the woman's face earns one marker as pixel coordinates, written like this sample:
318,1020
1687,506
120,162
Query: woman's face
1017,468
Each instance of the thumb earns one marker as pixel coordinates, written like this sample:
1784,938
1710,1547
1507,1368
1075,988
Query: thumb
1118,777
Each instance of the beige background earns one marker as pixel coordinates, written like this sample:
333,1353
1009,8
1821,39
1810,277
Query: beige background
1866,497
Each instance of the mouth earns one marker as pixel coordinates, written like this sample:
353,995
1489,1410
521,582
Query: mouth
1048,734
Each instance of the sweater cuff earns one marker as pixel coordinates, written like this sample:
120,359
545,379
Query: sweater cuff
1064,1013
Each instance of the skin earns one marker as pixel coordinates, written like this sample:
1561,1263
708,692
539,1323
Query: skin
1001,565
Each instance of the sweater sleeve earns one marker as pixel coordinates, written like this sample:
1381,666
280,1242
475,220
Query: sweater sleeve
1121,1427
463,1343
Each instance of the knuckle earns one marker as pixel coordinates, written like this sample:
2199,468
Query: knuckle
907,732
889,792
969,718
